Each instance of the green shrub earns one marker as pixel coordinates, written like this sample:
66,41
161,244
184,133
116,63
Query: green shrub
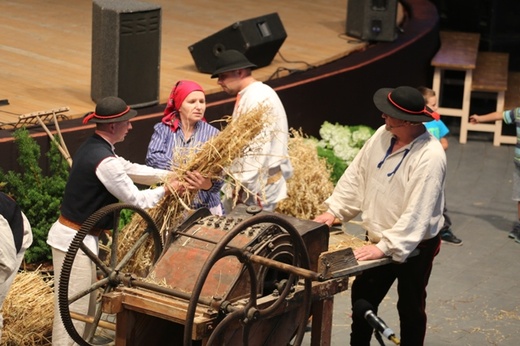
39,196
338,165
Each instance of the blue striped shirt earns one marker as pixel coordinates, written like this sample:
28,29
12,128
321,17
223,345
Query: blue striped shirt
512,116
166,144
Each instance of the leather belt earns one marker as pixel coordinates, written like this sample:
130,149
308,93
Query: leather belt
275,174
76,226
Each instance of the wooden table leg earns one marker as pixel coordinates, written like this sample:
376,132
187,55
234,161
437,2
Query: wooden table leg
466,100
437,76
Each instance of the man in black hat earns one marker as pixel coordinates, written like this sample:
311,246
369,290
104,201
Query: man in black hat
396,183
98,177
264,171
15,238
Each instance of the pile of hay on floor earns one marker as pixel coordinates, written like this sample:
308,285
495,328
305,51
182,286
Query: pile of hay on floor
28,310
310,184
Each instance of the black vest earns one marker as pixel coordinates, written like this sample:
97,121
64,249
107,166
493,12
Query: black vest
12,213
84,192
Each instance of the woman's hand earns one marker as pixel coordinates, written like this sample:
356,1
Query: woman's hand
196,181
173,185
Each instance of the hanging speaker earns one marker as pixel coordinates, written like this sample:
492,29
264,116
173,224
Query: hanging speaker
372,20
259,39
126,51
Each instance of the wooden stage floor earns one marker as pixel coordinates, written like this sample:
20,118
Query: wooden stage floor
45,46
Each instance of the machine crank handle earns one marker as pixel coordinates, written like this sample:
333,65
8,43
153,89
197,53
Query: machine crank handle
305,273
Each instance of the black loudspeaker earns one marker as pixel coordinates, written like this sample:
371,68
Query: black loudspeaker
126,50
257,38
372,20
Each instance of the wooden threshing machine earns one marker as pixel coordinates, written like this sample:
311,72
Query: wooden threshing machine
248,278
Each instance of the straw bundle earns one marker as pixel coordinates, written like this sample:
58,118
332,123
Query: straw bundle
211,160
28,310
310,184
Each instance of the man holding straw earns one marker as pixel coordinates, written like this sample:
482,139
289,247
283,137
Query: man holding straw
260,175
98,178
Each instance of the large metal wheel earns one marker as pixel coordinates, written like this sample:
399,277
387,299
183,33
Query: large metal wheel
111,271
252,312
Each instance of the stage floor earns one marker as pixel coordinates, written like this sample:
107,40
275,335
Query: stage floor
46,46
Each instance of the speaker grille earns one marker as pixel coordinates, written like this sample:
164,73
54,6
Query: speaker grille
140,23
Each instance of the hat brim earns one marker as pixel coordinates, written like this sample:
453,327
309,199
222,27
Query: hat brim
383,104
233,67
129,115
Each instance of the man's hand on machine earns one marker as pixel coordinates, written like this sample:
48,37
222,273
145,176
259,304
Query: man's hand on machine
368,252
326,218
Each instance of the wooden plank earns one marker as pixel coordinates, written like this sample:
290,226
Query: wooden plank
458,51
332,263
490,74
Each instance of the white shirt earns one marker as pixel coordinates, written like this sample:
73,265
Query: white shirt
9,261
269,149
118,175
400,196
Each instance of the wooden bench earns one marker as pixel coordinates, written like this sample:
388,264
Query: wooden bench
490,77
458,52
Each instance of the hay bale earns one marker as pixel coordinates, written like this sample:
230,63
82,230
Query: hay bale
310,184
28,310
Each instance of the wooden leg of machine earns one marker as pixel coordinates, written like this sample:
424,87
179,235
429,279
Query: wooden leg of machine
321,331
121,329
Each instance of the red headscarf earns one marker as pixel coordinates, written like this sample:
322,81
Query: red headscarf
180,91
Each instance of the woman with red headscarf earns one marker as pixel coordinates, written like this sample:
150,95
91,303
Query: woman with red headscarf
182,130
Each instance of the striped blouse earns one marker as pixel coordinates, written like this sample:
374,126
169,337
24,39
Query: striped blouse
167,146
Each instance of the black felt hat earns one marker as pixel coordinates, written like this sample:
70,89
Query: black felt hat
111,109
405,103
230,60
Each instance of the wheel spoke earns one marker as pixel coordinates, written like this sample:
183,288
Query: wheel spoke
97,261
115,241
128,256
97,316
91,289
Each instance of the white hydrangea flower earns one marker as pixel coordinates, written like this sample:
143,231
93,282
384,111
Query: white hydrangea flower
345,141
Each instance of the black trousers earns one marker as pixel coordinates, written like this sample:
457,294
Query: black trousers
412,279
